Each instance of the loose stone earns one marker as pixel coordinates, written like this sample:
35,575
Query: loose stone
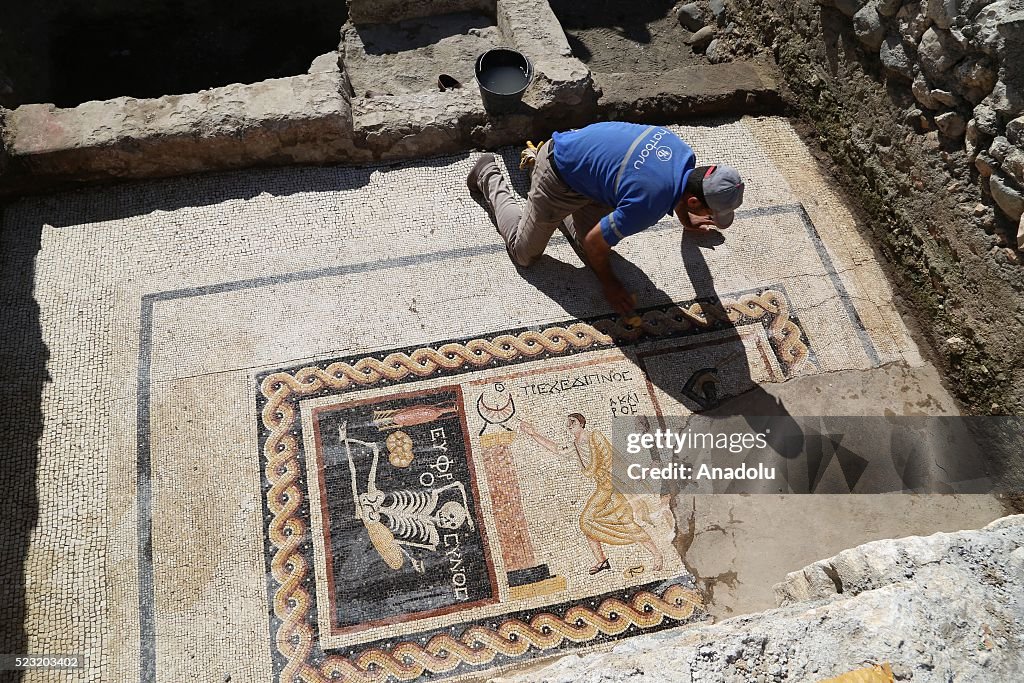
951,124
690,17
700,40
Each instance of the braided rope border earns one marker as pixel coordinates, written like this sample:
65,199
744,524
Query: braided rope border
478,645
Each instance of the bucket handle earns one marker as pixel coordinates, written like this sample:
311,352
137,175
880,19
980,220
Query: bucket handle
529,65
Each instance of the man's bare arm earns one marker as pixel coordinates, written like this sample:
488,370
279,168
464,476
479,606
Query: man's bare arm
597,251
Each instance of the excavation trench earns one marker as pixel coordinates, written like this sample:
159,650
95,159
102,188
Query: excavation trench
325,427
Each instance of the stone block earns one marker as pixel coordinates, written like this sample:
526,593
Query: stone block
985,164
868,28
716,52
301,119
937,53
977,78
410,125
941,12
564,87
326,63
975,139
690,17
972,138
986,25
533,29
415,124
987,118
1015,131
1013,165
1012,59
888,8
690,91
951,124
912,22
912,116
1006,99
700,40
895,59
923,93
999,148
1007,197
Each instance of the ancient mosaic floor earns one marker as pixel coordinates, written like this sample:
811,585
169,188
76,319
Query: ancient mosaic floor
313,425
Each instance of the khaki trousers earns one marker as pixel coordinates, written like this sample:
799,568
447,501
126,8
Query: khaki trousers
549,202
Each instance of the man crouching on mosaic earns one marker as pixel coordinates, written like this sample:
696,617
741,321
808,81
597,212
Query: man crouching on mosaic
615,179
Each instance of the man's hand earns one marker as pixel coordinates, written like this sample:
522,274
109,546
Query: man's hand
597,251
527,428
694,222
699,229
621,300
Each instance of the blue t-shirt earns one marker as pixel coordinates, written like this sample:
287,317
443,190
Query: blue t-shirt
639,170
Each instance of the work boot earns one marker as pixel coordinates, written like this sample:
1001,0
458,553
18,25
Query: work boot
476,173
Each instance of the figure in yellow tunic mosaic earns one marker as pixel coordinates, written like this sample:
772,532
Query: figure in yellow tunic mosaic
607,517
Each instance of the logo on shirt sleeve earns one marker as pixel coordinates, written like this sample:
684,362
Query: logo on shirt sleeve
663,153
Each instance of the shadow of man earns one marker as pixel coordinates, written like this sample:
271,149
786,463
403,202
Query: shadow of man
706,370
744,397
720,393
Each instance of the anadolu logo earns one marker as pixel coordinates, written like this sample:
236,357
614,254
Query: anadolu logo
663,153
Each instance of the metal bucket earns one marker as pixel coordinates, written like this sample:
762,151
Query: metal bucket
503,75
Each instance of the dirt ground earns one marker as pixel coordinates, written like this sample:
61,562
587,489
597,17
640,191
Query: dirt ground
69,52
610,36
917,198
408,56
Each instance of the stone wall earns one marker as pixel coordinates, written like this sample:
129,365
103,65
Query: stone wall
964,61
938,608
303,119
919,106
317,118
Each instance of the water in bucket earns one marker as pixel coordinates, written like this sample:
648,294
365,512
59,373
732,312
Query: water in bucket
503,75
504,80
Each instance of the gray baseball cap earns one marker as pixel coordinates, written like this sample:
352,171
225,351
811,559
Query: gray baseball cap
723,193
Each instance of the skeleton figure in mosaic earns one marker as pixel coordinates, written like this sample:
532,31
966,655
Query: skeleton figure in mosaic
403,519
